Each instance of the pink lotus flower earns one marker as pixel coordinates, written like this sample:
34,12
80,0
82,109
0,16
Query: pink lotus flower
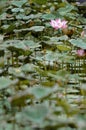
64,24
54,24
58,24
80,52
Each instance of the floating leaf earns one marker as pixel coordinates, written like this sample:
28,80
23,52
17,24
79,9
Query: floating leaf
48,16
66,9
31,44
64,37
19,3
36,113
16,72
5,82
60,75
37,28
15,10
78,43
51,56
3,16
20,16
63,47
40,92
18,46
28,67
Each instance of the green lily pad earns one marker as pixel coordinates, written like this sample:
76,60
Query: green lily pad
48,16
28,67
37,28
16,72
36,113
40,92
3,16
63,47
19,3
78,43
5,82
31,44
64,37
64,10
15,10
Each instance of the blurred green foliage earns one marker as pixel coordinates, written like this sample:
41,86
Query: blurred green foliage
42,80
